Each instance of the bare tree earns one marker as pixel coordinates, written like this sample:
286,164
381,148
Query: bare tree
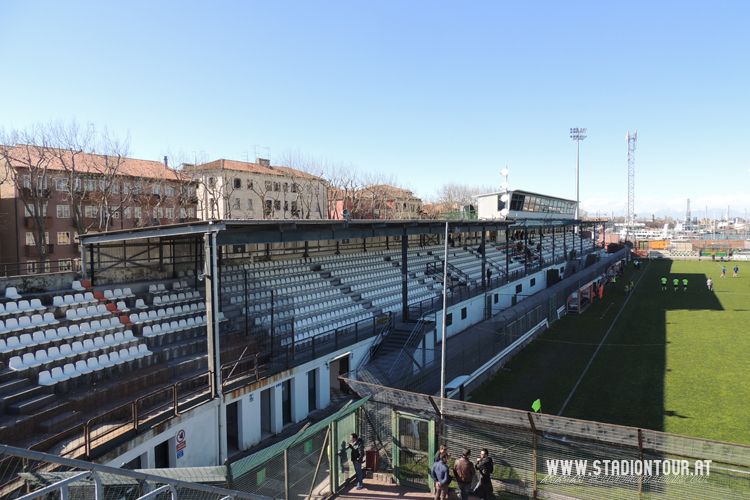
26,157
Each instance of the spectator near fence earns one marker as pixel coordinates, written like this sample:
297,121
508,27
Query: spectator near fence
441,476
464,472
357,456
484,467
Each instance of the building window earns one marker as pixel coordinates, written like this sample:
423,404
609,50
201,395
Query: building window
286,206
495,298
30,210
158,213
463,313
156,189
63,238
449,319
237,183
61,184
532,282
65,265
27,181
286,187
277,186
127,213
519,288
63,211
249,204
211,182
277,204
168,191
137,212
170,213
295,211
250,184
89,211
295,188
236,204
269,185
29,239
90,184
268,207
125,188
183,213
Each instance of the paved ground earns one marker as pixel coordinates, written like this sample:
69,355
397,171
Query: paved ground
374,490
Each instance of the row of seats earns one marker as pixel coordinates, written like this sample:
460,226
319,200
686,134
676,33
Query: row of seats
21,307
109,326
165,313
173,326
22,323
54,353
77,299
175,298
118,293
81,313
94,364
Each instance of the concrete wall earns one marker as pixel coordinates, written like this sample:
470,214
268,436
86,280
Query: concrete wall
38,282
200,429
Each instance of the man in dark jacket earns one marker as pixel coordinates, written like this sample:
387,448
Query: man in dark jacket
357,456
484,467
464,472
441,476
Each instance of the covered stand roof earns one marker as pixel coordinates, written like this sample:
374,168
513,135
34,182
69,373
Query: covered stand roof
238,232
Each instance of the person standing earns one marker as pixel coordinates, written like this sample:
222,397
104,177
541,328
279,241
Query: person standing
684,284
441,476
710,284
736,270
663,283
357,456
463,470
723,271
676,284
484,467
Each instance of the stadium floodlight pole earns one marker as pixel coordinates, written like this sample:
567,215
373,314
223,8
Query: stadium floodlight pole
578,134
445,318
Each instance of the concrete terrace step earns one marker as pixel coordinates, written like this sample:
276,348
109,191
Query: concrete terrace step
28,406
59,422
52,414
23,392
12,386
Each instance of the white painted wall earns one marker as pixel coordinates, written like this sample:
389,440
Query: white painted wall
200,427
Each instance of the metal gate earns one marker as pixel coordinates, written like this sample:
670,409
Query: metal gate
413,449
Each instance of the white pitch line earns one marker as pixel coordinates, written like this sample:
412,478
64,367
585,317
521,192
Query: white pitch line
593,356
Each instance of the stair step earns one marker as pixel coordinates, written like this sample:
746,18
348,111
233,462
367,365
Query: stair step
60,421
23,393
13,386
28,406
7,374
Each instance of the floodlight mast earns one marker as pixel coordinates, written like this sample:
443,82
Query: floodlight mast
578,134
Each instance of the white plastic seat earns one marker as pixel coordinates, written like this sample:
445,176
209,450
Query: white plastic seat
74,330
134,353
109,295
143,316
70,299
122,307
24,306
147,331
104,361
88,345
82,367
50,335
16,363
78,286
41,356
37,320
38,337
128,335
118,337
71,315
143,350
109,339
49,319
53,353
91,311
133,318
140,304
93,364
77,347
45,379
24,322
156,330
99,342
152,315
127,292
12,293
58,375
125,355
66,351
157,300
36,304
29,361
11,308
70,371
85,327
114,358
89,297
102,309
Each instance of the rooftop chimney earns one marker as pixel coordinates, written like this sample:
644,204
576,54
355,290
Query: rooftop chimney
166,161
263,162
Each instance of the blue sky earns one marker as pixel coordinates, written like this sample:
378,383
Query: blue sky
429,92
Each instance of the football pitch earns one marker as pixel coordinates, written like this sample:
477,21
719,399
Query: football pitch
674,361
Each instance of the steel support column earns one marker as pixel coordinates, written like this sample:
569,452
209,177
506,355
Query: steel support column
405,275
482,245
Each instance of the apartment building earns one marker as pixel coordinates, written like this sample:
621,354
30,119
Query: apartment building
380,201
229,189
49,196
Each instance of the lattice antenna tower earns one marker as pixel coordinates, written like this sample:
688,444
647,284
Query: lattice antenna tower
632,140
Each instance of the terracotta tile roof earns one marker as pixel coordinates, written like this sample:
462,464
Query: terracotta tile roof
256,168
392,191
56,159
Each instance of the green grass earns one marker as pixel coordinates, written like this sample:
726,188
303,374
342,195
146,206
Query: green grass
674,361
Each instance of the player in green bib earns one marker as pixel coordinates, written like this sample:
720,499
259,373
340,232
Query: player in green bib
684,284
676,283
663,283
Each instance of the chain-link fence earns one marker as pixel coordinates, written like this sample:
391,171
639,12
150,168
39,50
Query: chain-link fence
545,456
41,475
